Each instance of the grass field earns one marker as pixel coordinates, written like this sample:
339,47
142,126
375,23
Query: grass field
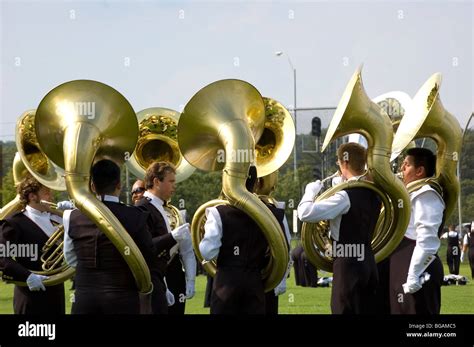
297,300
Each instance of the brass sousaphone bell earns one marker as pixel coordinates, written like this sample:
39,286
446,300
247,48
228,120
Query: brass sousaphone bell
78,123
227,117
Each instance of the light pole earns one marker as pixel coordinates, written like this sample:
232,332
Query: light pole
459,173
278,54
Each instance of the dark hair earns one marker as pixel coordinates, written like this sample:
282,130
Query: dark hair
157,170
27,186
251,179
354,154
423,157
105,176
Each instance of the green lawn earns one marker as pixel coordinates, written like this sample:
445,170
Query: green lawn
297,300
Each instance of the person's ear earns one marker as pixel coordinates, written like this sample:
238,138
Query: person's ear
93,188
420,171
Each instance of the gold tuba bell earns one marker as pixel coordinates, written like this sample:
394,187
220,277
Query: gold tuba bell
226,117
158,141
77,123
356,113
428,118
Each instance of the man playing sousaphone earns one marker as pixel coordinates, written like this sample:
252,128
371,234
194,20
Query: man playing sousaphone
32,227
353,213
416,272
160,180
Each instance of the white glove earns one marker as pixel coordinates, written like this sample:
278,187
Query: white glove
65,205
190,291
313,188
420,260
181,232
35,282
414,285
169,297
462,256
281,288
188,260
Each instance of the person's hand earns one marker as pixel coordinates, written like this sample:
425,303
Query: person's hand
313,188
190,290
169,297
181,233
35,282
65,205
413,284
462,256
281,288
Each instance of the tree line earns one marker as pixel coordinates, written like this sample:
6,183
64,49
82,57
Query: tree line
204,186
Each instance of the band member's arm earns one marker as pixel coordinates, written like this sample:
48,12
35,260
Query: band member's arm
144,243
68,246
464,247
189,262
330,208
428,214
163,242
11,270
211,243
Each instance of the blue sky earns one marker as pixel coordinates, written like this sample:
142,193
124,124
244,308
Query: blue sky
160,53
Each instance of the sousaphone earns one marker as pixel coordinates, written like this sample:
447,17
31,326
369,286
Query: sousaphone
218,130
356,113
78,123
427,117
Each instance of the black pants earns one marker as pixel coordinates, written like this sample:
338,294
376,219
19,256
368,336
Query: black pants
159,305
425,301
453,258
471,262
271,303
354,285
175,278
237,291
105,301
49,302
208,293
382,297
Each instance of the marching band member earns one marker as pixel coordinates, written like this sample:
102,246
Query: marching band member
104,282
416,253
160,181
453,251
32,226
239,246
353,214
468,247
138,189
